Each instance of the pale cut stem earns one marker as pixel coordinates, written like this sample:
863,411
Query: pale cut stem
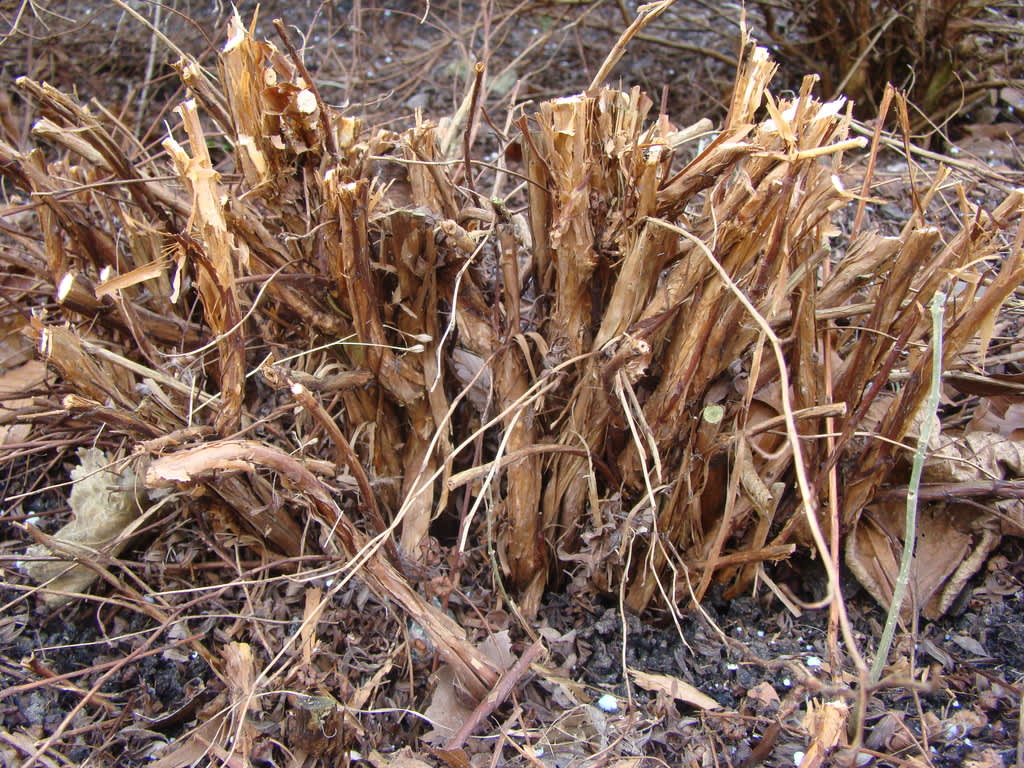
910,522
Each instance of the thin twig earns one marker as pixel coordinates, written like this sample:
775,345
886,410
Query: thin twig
467,136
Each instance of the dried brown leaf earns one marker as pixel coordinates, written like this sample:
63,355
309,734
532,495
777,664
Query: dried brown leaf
673,687
103,505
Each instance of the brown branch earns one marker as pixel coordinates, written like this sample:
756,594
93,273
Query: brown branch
345,456
509,679
467,136
1000,489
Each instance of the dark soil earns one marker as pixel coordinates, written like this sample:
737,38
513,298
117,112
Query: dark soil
969,667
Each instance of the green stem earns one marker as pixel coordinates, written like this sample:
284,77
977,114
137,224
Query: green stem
910,523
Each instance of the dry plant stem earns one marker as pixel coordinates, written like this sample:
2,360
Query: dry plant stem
395,274
325,114
853,69
976,240
910,521
198,464
722,532
904,118
879,381
679,45
478,470
157,376
997,489
865,189
147,79
154,29
970,168
886,757
495,697
346,457
827,411
647,14
793,438
537,390
215,257
833,504
467,136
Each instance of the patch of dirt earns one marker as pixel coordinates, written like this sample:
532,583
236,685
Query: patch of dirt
756,659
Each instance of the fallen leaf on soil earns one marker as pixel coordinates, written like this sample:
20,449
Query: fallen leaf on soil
1002,414
453,758
674,687
953,539
13,382
103,504
965,723
15,347
446,712
403,758
944,541
973,456
578,732
989,143
970,645
498,648
989,758
194,747
363,692
765,695
889,733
